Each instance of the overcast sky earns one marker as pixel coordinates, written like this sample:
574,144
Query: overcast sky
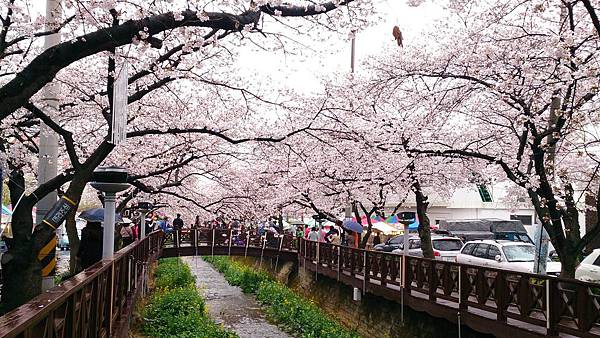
333,57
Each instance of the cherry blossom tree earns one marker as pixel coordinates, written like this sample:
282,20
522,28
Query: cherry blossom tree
165,42
519,92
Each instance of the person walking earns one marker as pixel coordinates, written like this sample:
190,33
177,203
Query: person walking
90,246
127,234
313,235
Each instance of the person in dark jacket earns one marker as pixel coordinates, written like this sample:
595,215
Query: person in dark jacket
376,239
90,246
178,223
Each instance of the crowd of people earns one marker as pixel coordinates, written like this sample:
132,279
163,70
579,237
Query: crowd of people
330,234
90,247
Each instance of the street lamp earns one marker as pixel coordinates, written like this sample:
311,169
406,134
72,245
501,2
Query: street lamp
110,181
143,208
406,218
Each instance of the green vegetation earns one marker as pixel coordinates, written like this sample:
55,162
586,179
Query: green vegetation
298,315
176,309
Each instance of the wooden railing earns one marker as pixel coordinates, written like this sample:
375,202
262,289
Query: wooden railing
98,302
547,305
231,239
95,303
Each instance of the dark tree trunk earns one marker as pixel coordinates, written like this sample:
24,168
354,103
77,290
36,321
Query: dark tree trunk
21,271
365,239
424,225
71,227
357,216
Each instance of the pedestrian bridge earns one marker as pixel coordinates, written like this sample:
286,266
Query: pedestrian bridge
99,301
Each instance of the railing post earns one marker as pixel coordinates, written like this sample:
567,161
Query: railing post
111,295
129,260
463,292
501,296
432,280
338,262
552,308
194,235
365,272
176,235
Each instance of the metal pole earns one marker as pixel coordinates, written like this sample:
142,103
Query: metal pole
108,238
317,263
352,52
143,225
402,285
262,251
48,144
338,263
230,237
212,246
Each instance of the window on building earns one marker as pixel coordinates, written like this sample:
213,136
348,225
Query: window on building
484,193
525,219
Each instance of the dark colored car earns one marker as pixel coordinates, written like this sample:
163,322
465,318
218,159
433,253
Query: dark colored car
481,229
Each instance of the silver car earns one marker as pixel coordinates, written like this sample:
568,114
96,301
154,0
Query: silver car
445,248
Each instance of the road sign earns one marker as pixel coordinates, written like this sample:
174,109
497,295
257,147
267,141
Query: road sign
120,97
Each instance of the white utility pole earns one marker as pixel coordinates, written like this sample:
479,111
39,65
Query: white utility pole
48,145
352,52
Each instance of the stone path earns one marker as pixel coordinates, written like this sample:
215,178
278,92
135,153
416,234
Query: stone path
229,305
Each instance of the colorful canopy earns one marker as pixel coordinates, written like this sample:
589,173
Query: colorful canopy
6,210
384,228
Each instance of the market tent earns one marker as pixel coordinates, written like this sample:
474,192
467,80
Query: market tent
384,228
311,222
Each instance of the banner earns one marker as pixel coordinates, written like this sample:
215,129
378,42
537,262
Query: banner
120,97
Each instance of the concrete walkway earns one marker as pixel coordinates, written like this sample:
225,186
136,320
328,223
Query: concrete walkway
229,305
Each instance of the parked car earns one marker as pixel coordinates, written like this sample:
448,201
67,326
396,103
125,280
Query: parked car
490,228
503,254
589,268
445,248
397,242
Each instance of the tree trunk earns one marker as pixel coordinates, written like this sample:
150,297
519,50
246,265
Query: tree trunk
21,271
357,215
71,227
424,225
365,239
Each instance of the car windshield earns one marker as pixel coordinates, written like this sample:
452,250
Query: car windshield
447,244
519,253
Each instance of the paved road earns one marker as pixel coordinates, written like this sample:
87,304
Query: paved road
229,305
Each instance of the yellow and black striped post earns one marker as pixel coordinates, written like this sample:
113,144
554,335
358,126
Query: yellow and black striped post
53,219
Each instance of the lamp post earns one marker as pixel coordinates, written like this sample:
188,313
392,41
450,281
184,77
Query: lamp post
143,208
109,180
406,218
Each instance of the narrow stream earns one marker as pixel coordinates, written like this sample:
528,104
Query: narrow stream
229,305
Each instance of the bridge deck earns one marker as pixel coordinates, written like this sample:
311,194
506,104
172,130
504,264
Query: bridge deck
498,302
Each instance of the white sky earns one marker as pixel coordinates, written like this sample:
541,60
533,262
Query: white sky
303,73
331,57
